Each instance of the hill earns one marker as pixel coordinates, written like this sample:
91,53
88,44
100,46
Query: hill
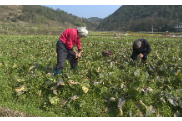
35,19
95,19
142,17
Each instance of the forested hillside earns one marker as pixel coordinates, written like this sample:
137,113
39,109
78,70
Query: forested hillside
35,19
142,17
95,19
41,20
41,13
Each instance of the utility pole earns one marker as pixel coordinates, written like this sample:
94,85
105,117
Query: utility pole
152,28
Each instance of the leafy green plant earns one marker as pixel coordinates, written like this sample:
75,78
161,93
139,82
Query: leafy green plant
101,86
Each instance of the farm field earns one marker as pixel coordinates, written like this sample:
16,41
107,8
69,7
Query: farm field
112,86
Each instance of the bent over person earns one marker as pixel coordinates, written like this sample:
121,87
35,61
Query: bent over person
142,47
64,48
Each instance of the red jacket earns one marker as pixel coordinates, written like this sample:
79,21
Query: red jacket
69,37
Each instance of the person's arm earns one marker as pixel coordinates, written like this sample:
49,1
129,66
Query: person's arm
134,54
79,48
69,42
148,49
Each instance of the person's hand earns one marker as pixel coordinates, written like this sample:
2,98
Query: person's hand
140,56
76,54
79,54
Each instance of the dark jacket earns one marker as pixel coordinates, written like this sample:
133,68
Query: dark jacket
144,49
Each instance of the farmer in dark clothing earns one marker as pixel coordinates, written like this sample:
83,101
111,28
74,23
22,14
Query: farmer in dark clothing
142,47
64,48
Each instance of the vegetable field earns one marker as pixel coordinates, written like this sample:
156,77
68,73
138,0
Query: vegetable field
113,86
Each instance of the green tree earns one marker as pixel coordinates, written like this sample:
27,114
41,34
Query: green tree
80,23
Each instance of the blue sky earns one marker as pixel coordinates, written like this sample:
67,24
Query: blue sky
87,11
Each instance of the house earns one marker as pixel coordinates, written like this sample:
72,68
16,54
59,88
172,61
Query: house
178,27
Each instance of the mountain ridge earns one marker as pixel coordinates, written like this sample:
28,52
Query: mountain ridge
142,18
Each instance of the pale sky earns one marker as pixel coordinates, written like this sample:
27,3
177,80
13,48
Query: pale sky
87,11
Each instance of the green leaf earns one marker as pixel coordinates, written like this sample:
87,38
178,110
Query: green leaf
54,100
137,73
148,90
37,65
103,89
20,80
133,93
47,84
177,114
172,102
87,64
85,87
150,110
151,67
60,82
135,85
146,74
21,88
132,113
121,111
121,101
106,95
94,73
15,65
72,82
30,68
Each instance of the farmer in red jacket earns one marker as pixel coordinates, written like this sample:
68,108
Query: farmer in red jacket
64,48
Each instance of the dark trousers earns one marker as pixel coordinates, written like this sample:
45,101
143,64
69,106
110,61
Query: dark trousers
64,53
134,56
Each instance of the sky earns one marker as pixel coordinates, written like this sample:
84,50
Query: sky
87,11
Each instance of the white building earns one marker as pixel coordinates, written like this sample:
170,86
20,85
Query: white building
178,27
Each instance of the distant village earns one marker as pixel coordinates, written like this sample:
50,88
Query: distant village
178,27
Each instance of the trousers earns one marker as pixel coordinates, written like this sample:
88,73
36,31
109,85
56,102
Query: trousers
64,53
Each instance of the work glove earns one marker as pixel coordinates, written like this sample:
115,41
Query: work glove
57,72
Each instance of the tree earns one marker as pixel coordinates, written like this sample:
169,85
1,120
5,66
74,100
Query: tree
80,23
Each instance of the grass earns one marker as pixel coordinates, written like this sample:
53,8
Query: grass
151,89
23,28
